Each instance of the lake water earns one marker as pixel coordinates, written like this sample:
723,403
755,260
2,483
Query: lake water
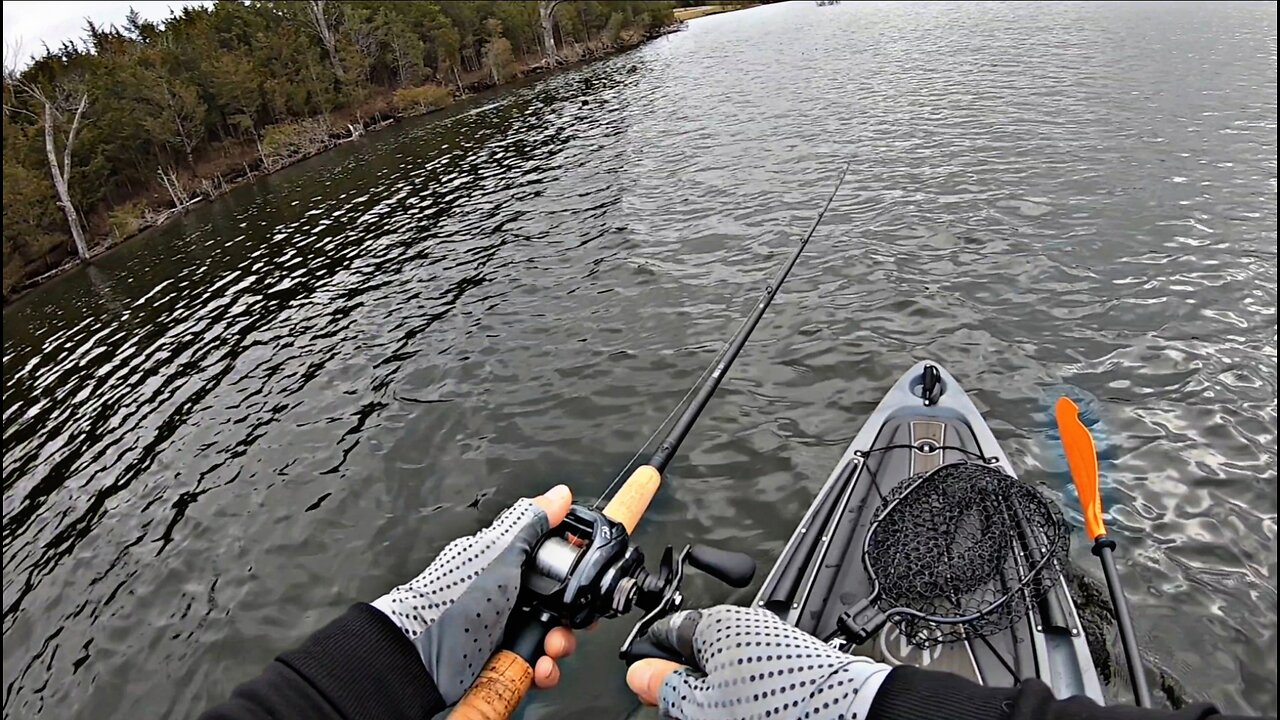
224,433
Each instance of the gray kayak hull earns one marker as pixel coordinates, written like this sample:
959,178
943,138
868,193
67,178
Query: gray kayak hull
820,571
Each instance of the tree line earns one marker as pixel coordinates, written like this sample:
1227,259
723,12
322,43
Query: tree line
107,135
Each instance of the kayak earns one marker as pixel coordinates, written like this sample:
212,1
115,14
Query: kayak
925,421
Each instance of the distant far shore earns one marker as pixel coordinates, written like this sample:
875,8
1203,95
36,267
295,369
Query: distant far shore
689,13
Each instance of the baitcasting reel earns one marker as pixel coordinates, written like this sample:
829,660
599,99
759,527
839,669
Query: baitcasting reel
587,569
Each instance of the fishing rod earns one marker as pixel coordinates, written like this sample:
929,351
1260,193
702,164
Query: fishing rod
1082,459
587,568
662,456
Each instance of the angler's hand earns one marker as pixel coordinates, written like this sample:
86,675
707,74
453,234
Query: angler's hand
456,610
751,664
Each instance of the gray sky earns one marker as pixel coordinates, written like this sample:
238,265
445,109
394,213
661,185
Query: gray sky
35,23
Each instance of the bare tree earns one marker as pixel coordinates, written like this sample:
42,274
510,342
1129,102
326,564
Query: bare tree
170,180
402,59
547,14
315,12
406,49
57,104
185,113
449,53
498,56
364,38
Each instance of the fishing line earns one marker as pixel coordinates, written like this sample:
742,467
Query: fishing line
700,394
626,469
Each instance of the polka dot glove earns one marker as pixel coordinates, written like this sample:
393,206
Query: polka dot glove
753,665
456,610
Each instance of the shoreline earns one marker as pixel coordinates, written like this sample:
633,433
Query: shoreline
340,127
683,14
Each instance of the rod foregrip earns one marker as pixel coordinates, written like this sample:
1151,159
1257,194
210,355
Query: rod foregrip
498,690
632,499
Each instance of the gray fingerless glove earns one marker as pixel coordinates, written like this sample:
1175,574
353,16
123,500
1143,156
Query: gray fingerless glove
456,610
753,665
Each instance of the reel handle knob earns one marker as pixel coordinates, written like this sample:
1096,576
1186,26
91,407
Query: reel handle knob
734,569
644,648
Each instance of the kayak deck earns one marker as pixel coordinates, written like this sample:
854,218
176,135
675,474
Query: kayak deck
821,571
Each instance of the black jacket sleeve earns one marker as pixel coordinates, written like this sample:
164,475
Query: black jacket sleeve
358,667
361,667
913,694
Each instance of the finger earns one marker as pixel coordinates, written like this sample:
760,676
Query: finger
675,633
546,673
645,678
560,643
555,503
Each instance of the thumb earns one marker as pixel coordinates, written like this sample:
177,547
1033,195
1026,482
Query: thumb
555,503
646,677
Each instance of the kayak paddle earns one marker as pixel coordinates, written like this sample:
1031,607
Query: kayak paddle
1082,458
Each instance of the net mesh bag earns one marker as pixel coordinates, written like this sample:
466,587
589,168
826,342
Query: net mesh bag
963,551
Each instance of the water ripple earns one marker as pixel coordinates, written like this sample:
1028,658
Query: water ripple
221,434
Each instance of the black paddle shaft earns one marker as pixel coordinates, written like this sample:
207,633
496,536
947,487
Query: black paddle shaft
1102,547
685,422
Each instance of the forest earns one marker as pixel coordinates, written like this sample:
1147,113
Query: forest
118,132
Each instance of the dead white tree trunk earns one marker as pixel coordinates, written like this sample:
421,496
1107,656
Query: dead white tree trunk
320,24
170,182
55,108
266,163
62,175
547,15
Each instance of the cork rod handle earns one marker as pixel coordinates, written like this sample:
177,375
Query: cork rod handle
506,677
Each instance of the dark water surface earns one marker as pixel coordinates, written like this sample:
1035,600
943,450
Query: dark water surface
222,434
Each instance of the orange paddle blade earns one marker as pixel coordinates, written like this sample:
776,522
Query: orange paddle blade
1082,458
